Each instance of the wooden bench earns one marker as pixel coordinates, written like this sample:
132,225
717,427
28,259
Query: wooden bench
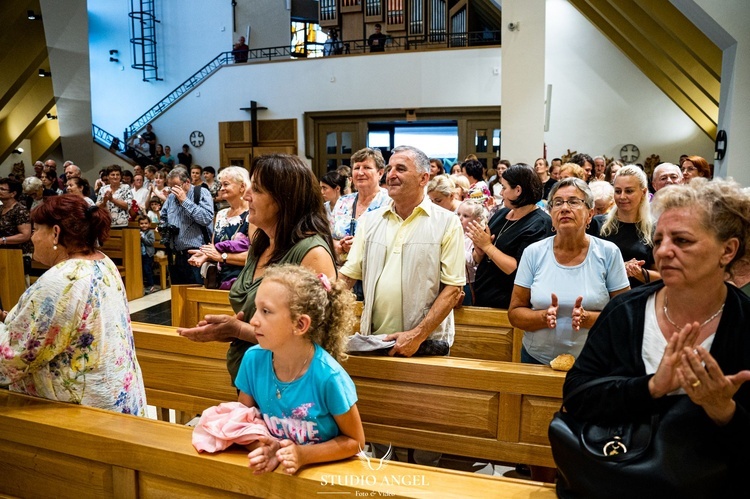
160,259
51,449
12,279
476,408
481,333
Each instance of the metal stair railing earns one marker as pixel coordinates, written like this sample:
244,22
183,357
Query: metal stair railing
114,144
358,46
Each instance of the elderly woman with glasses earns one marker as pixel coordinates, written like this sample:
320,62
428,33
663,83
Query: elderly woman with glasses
564,281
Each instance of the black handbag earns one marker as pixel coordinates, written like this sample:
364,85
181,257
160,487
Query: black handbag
677,452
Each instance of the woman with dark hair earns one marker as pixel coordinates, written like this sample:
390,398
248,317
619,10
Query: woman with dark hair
694,166
611,170
79,186
473,169
499,246
15,224
332,187
116,197
69,337
49,181
299,234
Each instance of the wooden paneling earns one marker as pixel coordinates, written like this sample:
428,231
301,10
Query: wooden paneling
13,282
63,450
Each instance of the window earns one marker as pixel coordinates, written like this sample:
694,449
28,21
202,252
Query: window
307,39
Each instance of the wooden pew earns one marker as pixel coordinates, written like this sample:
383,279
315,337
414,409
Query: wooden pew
160,260
476,408
51,449
481,333
12,280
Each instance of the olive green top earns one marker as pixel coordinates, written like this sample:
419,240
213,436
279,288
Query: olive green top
242,293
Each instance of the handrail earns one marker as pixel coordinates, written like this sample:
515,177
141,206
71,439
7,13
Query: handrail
106,139
358,46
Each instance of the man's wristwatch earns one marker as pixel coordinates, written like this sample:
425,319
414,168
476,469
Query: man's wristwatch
224,258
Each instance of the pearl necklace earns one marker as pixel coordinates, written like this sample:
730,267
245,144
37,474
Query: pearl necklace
280,391
666,314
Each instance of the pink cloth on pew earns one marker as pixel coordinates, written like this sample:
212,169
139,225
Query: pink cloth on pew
226,424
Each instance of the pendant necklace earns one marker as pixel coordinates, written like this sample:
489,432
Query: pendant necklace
280,391
666,314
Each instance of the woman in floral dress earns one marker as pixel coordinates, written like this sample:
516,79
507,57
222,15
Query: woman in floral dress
69,337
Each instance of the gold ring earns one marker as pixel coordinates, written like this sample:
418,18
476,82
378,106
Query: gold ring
696,384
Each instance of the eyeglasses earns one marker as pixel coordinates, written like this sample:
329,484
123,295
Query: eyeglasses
573,203
689,169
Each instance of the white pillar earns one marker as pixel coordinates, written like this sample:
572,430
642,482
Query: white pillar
726,25
523,85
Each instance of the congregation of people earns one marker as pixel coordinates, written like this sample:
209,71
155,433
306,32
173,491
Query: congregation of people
641,276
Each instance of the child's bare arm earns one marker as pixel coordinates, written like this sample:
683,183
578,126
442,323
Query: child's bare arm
352,439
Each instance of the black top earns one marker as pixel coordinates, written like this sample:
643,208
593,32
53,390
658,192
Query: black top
185,159
376,41
614,348
548,187
492,286
626,238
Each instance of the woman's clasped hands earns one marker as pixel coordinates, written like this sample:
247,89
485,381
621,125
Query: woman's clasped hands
578,315
691,367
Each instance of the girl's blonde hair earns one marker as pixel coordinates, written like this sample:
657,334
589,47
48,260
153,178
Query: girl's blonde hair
478,211
331,312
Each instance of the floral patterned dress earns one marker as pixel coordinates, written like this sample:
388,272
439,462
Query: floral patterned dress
120,217
69,339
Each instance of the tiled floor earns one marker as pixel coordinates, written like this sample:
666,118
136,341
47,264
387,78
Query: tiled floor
156,309
153,309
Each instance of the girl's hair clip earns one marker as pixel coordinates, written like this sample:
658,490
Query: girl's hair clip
325,282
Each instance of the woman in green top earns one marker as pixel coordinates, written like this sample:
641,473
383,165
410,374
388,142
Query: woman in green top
299,233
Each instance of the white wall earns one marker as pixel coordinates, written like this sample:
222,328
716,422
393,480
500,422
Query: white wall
601,101
289,89
733,37
189,36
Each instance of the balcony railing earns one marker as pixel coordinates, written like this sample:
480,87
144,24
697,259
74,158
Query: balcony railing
309,50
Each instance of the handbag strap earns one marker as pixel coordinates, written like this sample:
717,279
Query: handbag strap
589,384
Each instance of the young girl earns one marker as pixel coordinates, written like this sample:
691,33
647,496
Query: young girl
470,211
292,376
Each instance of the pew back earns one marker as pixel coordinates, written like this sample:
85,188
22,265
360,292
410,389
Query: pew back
12,282
486,409
481,333
51,449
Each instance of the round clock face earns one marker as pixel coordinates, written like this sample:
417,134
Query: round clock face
196,138
629,153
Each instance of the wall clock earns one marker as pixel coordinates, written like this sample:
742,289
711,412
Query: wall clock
197,138
629,153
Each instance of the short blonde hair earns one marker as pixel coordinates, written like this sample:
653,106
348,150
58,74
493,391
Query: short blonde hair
575,170
235,174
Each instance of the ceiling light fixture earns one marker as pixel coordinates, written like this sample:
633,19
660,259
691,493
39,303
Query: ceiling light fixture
18,150
43,73
51,116
33,16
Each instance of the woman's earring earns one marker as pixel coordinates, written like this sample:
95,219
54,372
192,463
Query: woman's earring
554,230
54,247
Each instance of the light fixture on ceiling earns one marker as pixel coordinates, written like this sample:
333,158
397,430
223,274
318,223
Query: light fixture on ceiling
18,150
51,116
43,73
113,52
33,16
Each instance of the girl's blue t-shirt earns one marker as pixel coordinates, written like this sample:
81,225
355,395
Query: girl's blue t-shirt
304,413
